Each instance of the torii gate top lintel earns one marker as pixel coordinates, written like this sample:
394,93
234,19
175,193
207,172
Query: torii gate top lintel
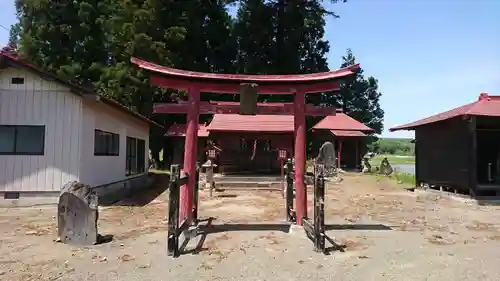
197,82
230,83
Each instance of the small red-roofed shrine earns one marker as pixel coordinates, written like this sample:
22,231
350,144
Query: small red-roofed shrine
247,86
347,134
459,149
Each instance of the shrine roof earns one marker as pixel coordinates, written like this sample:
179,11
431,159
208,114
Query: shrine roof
347,133
252,123
179,130
342,122
277,79
486,105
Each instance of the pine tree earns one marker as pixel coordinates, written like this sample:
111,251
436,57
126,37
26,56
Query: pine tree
359,97
64,37
254,32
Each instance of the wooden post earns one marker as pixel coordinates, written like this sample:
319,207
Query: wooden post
173,212
300,156
190,154
196,193
356,163
319,209
339,153
290,216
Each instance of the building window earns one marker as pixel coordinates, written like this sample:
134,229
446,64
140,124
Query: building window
22,140
106,143
136,153
17,80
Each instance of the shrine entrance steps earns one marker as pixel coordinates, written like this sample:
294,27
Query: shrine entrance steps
248,182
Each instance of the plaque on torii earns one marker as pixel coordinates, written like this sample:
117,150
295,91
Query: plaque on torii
247,86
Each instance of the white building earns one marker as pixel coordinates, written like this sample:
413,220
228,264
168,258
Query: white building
53,132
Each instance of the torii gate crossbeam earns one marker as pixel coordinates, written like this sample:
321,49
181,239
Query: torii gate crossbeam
197,82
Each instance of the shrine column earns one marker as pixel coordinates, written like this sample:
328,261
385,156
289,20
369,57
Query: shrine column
300,155
190,153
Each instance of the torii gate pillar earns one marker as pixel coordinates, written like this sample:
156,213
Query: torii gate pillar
300,156
190,152
197,82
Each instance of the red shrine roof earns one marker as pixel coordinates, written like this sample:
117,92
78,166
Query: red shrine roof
346,133
252,123
335,74
342,125
179,130
485,106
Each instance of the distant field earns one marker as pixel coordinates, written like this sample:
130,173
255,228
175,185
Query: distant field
393,159
392,146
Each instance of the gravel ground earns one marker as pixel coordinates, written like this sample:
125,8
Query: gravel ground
384,233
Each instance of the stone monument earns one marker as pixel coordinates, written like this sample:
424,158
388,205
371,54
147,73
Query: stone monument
208,176
365,163
326,157
385,167
77,214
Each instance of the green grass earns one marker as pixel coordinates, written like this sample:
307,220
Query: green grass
393,159
161,172
403,178
399,177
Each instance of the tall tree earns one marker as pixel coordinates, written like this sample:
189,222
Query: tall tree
254,32
282,37
360,97
64,37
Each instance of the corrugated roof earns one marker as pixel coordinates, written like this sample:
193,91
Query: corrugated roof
341,121
179,130
11,58
251,123
334,74
348,133
485,106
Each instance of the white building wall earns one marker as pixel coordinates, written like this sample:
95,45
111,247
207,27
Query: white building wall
40,102
99,170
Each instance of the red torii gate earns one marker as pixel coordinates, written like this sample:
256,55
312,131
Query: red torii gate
197,82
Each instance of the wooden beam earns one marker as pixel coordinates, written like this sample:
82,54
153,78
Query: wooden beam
234,88
234,108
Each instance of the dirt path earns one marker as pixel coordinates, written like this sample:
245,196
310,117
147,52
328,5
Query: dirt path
386,234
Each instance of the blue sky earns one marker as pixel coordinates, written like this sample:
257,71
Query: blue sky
428,55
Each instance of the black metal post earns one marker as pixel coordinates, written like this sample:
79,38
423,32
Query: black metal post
173,212
196,192
290,214
319,209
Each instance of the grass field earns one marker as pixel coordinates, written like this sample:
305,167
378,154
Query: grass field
400,177
393,159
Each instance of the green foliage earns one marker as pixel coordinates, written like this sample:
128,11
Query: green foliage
393,146
64,37
359,97
90,42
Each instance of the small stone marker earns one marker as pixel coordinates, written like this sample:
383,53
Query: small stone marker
209,175
77,214
326,157
365,163
385,167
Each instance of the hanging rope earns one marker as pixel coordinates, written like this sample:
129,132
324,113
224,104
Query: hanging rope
254,150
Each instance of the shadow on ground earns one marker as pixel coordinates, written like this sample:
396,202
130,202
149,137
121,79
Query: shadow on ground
138,196
208,227
357,227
